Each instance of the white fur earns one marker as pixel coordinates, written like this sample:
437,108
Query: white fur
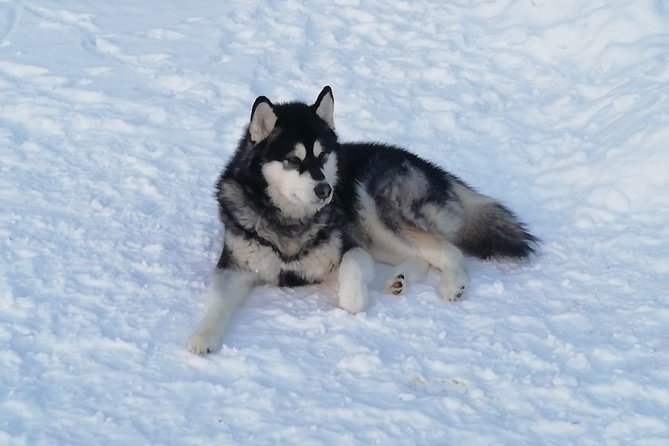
330,169
356,272
319,264
413,269
318,149
300,151
293,192
227,291
266,265
262,122
447,258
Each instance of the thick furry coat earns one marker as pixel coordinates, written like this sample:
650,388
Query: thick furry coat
299,207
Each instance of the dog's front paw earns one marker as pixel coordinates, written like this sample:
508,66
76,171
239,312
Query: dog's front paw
203,342
353,297
452,283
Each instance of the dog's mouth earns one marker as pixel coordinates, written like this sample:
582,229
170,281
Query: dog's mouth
324,201
317,202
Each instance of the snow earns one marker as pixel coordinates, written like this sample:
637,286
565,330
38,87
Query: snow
116,117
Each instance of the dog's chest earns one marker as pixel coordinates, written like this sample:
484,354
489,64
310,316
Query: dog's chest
304,264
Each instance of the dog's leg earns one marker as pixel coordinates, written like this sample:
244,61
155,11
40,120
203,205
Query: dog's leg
227,291
454,277
413,269
445,257
356,272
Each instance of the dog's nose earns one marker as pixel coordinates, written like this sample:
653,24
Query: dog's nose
323,190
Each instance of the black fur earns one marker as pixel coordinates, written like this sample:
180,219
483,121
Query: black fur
385,171
291,279
496,233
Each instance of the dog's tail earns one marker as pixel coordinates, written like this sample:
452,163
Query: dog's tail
490,230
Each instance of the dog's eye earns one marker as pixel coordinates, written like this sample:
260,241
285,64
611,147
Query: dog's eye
322,156
294,160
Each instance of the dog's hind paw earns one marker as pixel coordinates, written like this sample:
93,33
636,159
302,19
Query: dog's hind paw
452,283
395,285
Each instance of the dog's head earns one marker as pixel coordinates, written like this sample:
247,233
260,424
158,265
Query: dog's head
298,146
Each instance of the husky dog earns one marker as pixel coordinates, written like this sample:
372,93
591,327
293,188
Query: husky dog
301,208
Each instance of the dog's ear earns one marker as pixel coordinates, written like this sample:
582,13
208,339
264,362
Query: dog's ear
324,106
263,119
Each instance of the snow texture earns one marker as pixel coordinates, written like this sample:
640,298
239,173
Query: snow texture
116,117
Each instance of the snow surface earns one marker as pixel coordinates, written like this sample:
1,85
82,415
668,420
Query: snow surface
116,117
